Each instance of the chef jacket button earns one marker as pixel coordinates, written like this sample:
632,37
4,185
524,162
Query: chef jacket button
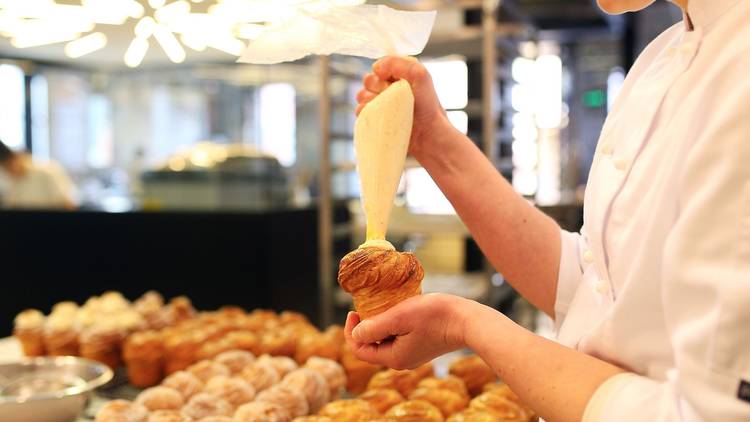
607,148
588,256
621,164
602,287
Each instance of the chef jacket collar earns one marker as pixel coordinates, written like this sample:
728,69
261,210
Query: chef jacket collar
702,13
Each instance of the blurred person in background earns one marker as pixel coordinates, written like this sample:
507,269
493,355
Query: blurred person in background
34,185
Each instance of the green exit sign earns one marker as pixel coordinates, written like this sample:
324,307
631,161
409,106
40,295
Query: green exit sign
594,98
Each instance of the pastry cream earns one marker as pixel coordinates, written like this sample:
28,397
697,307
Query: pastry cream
381,140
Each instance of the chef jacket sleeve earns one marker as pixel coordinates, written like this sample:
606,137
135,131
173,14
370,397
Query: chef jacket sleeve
570,273
706,291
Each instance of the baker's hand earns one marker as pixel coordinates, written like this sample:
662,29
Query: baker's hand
429,116
411,333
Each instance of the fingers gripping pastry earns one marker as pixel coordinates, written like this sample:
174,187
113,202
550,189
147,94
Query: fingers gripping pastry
312,384
382,399
186,383
403,381
332,372
499,406
235,360
378,277
157,398
349,411
474,372
122,411
259,411
415,411
293,401
261,375
28,329
169,416
451,382
448,401
234,390
203,405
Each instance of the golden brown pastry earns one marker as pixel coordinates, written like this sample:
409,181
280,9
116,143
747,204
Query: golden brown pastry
379,278
349,411
261,375
203,405
234,390
474,372
235,360
168,416
180,348
332,371
259,411
282,364
312,384
181,309
471,415
499,406
313,418
243,340
287,317
102,343
403,381
207,369
504,390
316,344
186,383
358,372
448,401
415,411
143,354
425,371
382,399
211,349
122,411
278,343
60,335
294,401
450,382
29,329
216,419
156,398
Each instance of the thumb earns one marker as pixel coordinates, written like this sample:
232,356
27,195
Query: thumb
378,328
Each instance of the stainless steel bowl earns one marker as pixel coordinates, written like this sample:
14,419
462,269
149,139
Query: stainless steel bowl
48,389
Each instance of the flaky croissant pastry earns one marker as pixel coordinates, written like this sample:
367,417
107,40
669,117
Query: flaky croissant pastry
378,278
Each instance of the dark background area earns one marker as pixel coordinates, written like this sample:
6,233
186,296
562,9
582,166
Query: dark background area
266,260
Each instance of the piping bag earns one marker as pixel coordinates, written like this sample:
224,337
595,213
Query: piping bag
383,128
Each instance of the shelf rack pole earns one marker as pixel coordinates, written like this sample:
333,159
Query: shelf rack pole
325,200
489,77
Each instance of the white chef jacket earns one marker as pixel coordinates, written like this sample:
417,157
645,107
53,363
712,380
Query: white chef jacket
658,280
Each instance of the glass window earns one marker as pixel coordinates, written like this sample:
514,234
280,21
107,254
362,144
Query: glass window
12,106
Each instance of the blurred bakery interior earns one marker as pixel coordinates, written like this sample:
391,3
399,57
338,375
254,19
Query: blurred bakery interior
234,184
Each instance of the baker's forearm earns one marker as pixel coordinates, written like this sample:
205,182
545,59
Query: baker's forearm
519,240
557,382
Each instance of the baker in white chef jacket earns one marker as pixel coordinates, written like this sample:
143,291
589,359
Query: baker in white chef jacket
652,298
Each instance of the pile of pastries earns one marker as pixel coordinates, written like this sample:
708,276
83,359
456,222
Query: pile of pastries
235,385
470,393
97,329
155,339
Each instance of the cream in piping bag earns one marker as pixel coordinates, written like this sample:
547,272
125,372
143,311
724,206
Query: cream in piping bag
381,140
